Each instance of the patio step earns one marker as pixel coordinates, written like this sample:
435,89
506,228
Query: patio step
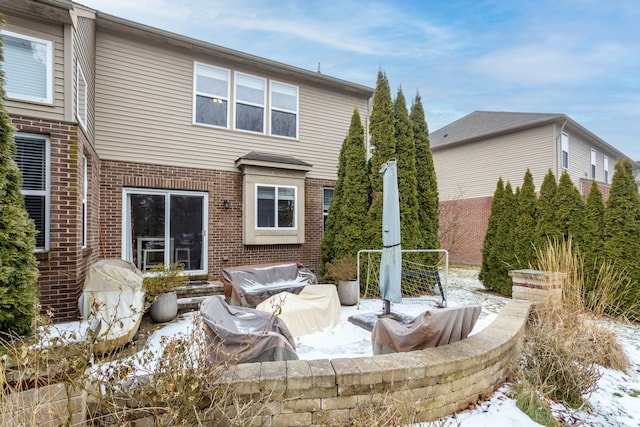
191,296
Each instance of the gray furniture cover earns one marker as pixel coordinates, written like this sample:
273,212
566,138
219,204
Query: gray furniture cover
430,329
244,335
249,285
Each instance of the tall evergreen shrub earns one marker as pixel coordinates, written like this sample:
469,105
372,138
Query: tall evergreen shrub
570,209
407,183
381,131
622,222
525,230
547,226
344,234
427,185
592,237
18,267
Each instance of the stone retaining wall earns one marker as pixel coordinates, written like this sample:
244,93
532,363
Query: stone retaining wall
428,383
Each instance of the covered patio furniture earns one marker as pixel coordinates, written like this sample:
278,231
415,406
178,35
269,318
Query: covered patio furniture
249,285
244,335
112,301
315,308
430,329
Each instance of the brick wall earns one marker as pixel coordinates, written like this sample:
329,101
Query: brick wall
225,225
585,187
62,267
463,225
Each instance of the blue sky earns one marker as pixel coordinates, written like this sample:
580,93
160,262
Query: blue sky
577,57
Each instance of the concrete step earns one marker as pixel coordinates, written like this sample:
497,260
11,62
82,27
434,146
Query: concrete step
191,296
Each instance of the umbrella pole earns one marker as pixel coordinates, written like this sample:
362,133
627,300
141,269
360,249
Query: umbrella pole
386,310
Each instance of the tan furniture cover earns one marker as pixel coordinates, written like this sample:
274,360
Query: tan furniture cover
430,329
249,285
112,302
315,308
243,335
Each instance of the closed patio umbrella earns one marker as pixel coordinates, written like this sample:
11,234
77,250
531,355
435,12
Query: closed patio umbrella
391,261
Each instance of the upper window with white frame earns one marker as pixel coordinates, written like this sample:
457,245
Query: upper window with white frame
33,160
593,163
284,110
249,102
565,150
327,195
606,169
275,206
81,98
28,67
211,95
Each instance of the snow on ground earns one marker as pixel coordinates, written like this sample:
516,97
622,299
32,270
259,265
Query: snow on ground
615,403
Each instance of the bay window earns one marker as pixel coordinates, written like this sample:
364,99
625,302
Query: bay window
275,206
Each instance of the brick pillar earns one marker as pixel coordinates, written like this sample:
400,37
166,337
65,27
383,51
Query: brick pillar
537,286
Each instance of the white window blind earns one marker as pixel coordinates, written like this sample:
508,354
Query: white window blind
28,67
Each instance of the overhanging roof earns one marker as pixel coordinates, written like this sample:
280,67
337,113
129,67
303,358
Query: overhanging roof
137,31
481,125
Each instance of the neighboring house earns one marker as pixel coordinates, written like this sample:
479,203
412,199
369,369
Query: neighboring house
472,153
153,147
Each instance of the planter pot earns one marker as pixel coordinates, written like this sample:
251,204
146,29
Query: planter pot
348,292
164,308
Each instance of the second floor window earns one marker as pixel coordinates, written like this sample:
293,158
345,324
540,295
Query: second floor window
32,157
565,150
593,164
211,95
28,67
284,110
250,100
606,169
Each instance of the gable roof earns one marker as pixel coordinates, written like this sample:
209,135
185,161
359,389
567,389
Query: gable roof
485,124
482,124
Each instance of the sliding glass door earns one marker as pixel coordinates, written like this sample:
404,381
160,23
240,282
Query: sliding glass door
165,227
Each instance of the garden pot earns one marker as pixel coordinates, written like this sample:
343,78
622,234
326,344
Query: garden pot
164,308
348,292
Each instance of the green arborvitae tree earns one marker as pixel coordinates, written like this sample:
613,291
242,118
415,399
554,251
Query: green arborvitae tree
343,234
524,235
427,185
547,225
18,266
570,209
490,244
354,198
592,241
622,222
506,241
383,148
407,183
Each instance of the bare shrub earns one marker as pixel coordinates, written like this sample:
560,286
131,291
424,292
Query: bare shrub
565,344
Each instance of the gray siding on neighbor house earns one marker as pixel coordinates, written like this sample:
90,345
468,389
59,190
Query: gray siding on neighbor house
472,169
84,55
54,33
144,112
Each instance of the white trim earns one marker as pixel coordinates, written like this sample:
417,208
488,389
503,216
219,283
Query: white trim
85,188
126,221
48,99
226,98
593,169
295,207
237,101
605,167
284,110
47,190
565,149
80,78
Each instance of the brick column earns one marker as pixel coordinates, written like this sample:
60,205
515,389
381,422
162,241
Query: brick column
537,286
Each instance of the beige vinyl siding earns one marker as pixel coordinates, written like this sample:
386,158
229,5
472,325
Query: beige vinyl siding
84,54
144,113
473,169
45,31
